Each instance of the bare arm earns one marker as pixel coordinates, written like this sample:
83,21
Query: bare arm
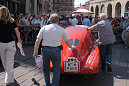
69,45
18,35
91,28
36,47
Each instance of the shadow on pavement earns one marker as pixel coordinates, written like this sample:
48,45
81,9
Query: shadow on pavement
120,61
1,67
100,79
16,83
16,64
35,82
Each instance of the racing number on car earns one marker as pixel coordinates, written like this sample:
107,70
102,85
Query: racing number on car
72,65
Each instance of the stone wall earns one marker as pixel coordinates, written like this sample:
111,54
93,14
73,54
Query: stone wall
113,8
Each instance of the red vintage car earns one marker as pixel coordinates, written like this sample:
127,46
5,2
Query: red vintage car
85,59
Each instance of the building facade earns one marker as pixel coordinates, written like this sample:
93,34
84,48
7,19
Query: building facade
113,8
62,7
34,7
46,7
15,6
86,5
26,7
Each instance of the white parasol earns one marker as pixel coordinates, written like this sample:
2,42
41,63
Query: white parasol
82,10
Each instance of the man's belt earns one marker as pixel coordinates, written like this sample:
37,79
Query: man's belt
60,47
49,47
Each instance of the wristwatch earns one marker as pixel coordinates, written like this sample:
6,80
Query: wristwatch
35,53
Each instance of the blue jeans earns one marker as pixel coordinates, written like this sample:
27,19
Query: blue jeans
105,53
53,54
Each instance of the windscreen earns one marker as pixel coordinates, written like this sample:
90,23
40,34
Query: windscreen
74,42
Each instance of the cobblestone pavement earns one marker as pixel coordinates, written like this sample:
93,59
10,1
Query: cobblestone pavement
27,75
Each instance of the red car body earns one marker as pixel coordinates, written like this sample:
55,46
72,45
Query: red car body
85,59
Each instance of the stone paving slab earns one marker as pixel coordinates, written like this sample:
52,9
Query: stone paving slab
27,75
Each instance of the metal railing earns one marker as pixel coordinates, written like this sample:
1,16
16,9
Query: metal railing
28,33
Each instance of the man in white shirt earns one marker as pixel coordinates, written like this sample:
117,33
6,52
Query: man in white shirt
86,21
74,21
44,21
51,35
35,21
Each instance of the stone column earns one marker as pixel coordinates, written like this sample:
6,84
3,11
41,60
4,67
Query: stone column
43,6
122,9
28,6
35,7
113,10
51,6
16,9
105,8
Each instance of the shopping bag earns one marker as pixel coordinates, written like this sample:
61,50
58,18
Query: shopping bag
39,63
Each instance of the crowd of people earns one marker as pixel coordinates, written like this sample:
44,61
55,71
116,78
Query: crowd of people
43,19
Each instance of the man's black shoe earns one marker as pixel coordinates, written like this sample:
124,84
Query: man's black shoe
0,63
8,84
109,67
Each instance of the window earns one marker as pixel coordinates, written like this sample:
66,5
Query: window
71,41
76,42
